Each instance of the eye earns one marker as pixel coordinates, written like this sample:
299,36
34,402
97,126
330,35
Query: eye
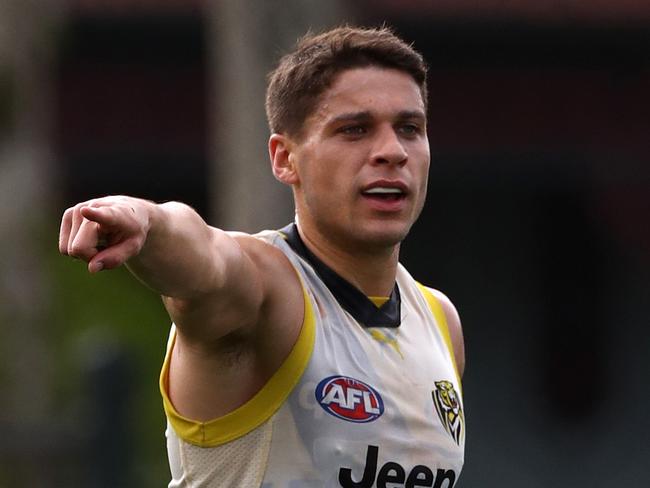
353,130
409,129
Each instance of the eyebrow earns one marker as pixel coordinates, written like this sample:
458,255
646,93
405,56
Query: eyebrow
411,114
351,116
367,115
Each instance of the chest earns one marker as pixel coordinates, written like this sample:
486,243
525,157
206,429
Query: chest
379,376
370,398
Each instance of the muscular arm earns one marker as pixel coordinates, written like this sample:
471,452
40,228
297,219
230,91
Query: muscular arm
235,325
170,249
168,246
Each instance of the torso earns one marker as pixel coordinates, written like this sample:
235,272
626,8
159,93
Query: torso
352,406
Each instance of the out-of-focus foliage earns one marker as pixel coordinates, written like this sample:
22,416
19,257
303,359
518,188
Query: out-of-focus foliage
93,316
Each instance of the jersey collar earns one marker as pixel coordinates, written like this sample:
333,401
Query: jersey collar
349,297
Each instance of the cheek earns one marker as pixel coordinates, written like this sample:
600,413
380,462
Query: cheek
425,176
424,168
328,175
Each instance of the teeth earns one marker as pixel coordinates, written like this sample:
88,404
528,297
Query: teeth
382,190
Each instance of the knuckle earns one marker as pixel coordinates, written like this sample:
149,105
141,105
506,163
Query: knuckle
80,249
75,251
76,248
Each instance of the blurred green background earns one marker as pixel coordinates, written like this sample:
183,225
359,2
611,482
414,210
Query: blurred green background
104,425
536,223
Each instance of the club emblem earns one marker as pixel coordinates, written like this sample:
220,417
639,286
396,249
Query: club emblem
450,412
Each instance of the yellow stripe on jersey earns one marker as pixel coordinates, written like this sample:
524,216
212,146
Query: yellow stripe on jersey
379,336
258,409
441,320
379,301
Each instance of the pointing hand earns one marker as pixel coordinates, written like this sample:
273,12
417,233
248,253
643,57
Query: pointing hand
105,232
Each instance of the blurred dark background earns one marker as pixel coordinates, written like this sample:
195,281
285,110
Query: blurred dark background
536,224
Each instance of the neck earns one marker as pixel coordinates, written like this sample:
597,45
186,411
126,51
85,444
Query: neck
371,270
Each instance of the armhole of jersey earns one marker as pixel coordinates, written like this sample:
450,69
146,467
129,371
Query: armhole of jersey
441,321
255,411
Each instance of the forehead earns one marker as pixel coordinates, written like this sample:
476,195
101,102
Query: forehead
378,91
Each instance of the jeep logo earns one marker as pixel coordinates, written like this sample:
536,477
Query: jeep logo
393,473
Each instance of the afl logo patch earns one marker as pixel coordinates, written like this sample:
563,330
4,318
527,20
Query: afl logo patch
349,399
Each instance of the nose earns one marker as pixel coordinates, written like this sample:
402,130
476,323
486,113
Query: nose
388,148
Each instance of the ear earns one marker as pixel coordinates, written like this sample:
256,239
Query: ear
283,159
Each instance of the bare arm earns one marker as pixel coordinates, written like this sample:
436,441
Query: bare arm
200,271
166,246
235,324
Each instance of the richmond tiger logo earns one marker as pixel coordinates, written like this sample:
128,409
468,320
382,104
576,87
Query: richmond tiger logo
450,412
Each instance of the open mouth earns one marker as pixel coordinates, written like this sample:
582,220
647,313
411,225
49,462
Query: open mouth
384,193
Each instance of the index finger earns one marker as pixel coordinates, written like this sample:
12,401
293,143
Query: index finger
101,215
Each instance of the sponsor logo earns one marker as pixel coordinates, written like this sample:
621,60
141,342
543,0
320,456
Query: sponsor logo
393,474
349,399
447,404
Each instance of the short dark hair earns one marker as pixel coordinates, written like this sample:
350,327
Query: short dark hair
302,75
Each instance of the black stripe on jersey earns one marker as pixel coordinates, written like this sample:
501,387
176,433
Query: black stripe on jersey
355,302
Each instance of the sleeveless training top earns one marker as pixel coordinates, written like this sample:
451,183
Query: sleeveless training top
351,406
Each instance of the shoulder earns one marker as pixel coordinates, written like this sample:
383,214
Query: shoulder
278,278
264,255
259,248
455,328
256,318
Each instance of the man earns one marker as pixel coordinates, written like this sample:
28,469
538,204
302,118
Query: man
308,356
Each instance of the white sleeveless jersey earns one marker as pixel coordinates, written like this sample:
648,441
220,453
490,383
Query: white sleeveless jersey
351,406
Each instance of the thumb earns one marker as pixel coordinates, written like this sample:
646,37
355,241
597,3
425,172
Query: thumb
95,265
114,255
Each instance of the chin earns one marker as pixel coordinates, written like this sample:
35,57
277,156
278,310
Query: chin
383,235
